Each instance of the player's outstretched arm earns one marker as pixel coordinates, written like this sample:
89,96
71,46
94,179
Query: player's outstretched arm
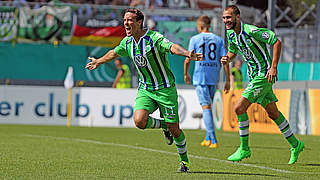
178,50
95,63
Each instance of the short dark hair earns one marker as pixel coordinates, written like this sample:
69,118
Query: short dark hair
205,20
234,8
136,11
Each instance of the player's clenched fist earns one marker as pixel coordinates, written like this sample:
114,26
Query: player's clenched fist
224,60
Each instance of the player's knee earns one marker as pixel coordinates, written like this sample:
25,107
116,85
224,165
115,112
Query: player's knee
140,122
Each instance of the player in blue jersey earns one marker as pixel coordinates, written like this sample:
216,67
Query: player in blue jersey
148,50
206,73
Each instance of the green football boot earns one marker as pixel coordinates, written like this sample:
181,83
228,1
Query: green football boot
240,154
295,152
183,167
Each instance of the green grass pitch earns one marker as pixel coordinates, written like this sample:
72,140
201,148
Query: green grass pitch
57,152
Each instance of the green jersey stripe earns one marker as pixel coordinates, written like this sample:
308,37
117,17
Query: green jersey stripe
149,68
263,52
166,80
159,63
250,69
141,75
254,58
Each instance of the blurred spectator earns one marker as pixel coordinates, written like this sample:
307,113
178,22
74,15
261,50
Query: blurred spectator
39,3
236,75
178,4
101,2
123,78
84,10
147,4
151,24
20,3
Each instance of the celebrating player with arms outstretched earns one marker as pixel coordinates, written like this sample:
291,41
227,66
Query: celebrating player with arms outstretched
251,42
148,51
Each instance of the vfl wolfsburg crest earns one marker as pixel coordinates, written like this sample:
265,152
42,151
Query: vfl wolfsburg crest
265,35
140,60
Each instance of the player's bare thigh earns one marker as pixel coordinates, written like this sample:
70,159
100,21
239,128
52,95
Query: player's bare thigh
272,110
242,105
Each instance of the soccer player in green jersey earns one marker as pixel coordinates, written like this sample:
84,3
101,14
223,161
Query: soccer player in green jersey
251,42
148,51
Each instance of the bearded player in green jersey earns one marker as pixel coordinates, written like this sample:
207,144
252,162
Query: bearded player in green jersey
251,42
148,51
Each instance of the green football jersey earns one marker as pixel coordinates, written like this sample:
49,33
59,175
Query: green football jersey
252,45
150,58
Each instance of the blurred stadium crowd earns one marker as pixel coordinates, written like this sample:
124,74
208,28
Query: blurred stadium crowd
148,4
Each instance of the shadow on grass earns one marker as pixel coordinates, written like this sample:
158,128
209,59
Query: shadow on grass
260,147
231,173
312,164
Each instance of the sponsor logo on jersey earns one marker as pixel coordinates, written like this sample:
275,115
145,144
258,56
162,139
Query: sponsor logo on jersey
247,53
140,60
265,35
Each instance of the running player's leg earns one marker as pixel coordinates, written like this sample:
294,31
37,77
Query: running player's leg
241,110
167,99
144,106
205,95
296,145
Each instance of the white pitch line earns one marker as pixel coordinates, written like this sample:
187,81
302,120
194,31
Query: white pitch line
156,150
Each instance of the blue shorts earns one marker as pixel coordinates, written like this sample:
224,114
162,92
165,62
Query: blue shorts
205,94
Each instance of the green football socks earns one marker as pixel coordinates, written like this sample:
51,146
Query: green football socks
181,145
286,130
154,123
244,130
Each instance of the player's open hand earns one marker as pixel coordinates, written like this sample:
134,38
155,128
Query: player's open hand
93,64
224,60
187,78
195,56
272,75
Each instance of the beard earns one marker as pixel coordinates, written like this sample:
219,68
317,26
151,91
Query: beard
234,25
